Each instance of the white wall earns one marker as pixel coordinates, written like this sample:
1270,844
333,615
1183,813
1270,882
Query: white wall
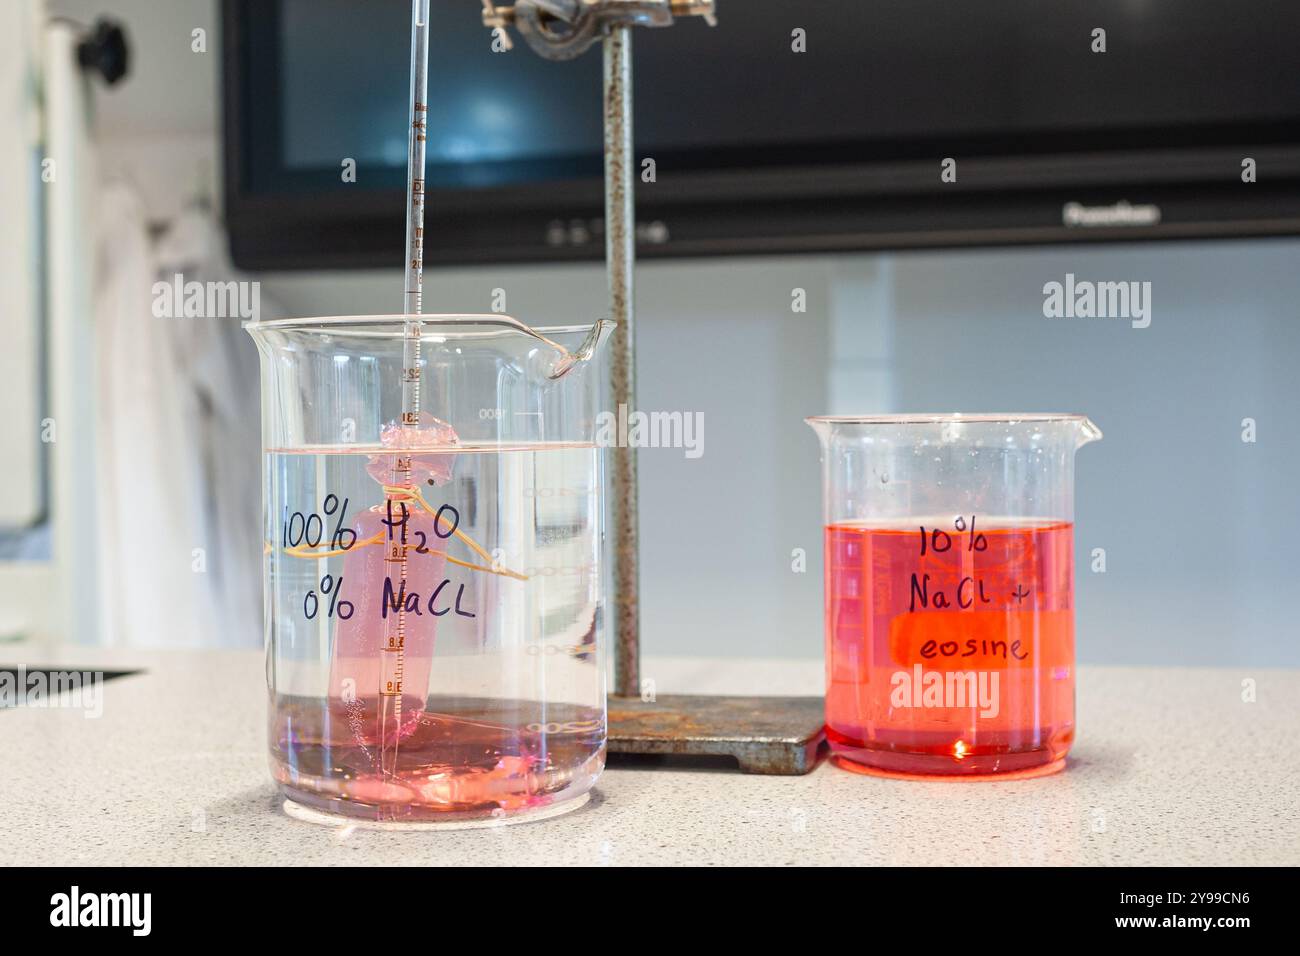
1199,527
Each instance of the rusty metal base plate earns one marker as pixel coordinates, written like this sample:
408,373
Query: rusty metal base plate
772,735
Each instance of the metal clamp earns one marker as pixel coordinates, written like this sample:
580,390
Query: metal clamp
564,29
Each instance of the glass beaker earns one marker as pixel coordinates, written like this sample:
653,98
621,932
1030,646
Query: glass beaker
434,598
949,558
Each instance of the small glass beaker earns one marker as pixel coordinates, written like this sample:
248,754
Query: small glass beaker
434,602
949,561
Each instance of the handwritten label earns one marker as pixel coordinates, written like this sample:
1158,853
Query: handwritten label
968,607
325,533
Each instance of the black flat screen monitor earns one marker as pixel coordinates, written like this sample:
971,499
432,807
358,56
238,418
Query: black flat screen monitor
790,127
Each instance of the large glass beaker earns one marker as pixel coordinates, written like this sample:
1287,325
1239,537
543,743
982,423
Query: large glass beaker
434,594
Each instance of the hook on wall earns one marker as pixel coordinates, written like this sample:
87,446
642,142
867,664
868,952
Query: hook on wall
104,50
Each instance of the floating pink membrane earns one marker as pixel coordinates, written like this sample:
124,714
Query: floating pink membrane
431,445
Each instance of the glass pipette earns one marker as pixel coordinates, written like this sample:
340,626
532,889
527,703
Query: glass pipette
390,690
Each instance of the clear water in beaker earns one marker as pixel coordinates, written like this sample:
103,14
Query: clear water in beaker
512,714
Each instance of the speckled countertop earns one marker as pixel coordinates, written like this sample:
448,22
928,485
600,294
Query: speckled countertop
1171,767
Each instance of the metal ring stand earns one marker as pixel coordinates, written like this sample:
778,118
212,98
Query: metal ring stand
771,735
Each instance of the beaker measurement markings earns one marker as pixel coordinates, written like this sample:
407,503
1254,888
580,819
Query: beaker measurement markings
554,570
556,492
552,650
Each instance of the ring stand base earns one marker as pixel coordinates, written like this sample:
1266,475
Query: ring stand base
767,735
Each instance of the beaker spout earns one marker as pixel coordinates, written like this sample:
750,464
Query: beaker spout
586,351
1086,432
822,427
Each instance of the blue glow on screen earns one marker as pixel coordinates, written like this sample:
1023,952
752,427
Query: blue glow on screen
345,85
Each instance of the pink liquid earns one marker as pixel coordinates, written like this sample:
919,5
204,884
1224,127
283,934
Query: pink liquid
458,757
950,652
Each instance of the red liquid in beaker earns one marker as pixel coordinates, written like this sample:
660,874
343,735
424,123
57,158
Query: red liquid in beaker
950,650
